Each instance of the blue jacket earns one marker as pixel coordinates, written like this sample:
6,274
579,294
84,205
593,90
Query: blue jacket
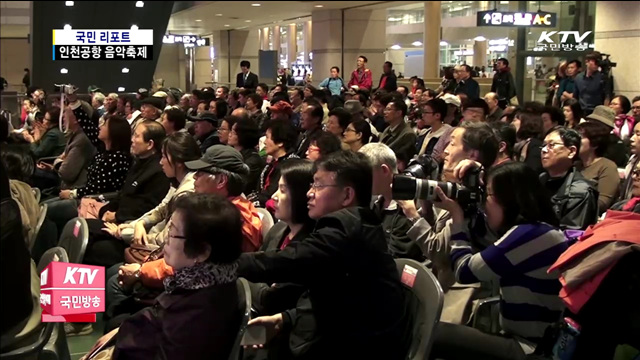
334,85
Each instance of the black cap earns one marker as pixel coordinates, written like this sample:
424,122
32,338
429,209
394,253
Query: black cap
222,157
156,102
197,93
206,116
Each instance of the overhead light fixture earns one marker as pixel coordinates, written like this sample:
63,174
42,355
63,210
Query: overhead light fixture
247,21
189,34
68,3
394,19
416,43
139,3
480,38
319,6
67,27
226,25
256,5
198,20
63,71
218,14
125,70
121,89
443,43
134,27
396,47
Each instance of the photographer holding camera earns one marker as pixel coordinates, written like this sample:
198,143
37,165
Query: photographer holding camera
471,145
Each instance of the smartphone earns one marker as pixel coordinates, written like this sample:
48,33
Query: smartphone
254,335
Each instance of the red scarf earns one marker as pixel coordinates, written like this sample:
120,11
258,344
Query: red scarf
631,204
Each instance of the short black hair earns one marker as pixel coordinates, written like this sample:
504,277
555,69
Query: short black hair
206,104
576,109
598,135
280,96
245,63
119,133
299,92
54,114
406,89
343,116
206,214
18,162
235,94
283,89
225,89
285,133
257,99
523,198
364,128
181,147
326,142
431,92
319,95
177,117
480,137
637,98
624,103
504,61
264,87
363,58
399,105
555,114
352,169
298,174
505,133
389,63
476,103
248,133
438,106
221,108
4,127
317,112
335,67
153,130
569,138
231,120
531,126
575,61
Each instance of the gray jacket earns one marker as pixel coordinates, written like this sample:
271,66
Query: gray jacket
77,156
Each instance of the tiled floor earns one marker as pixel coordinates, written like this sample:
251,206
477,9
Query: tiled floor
80,345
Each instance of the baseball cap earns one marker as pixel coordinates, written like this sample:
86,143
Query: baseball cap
451,100
281,107
353,106
206,116
222,157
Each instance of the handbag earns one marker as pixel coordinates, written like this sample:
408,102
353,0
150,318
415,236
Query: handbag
90,208
141,253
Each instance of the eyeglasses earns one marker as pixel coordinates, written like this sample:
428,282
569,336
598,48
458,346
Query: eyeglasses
635,108
177,237
348,129
316,186
550,146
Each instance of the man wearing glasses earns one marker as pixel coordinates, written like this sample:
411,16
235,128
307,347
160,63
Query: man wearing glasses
354,292
398,135
575,199
475,110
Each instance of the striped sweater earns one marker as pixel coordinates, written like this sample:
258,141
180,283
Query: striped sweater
519,260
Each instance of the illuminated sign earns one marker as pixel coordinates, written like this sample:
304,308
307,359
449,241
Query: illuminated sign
69,44
528,19
546,42
187,40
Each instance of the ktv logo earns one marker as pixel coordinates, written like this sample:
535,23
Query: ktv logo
71,292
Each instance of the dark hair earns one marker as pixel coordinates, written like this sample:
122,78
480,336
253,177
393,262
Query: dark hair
235,94
389,63
353,170
438,106
637,98
280,96
624,103
363,97
399,105
595,56
153,130
225,89
299,92
245,63
533,107
317,112
577,62
248,133
476,103
569,137
30,101
119,133
448,72
344,117
505,133
576,109
221,108
54,114
363,58
18,162
264,87
406,89
480,137
521,195
504,61
177,117
326,142
257,99
530,126
181,147
298,174
555,114
335,67
598,135
206,214
362,127
468,69
285,133
230,120
206,104
4,127
246,92
283,89
431,92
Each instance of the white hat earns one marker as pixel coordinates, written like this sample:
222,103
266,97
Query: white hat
451,99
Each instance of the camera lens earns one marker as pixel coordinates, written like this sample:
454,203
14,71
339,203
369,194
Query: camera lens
407,188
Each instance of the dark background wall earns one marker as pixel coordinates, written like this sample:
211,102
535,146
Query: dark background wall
107,74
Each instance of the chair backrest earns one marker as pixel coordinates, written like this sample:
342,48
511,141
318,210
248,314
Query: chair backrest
74,239
424,301
35,347
244,294
37,194
267,220
41,217
49,256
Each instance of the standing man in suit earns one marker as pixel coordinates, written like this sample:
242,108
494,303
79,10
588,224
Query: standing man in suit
246,79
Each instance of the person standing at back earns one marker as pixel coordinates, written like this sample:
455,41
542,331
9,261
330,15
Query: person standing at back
503,83
589,85
361,77
246,79
466,84
388,79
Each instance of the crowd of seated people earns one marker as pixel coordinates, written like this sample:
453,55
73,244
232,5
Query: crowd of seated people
171,185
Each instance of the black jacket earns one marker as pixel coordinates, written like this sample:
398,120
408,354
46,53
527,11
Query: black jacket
251,83
504,85
269,181
256,165
305,140
576,202
396,226
209,141
469,87
353,285
144,188
391,84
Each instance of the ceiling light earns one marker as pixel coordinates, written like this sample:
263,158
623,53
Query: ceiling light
319,6
443,43
247,21
63,71
226,25
218,14
396,47
125,70
256,5
67,27
416,43
190,34
480,38
198,20
139,3
121,89
68,3
134,27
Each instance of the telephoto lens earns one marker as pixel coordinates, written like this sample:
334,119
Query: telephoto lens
406,187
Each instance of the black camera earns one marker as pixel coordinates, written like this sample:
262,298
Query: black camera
422,167
409,187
